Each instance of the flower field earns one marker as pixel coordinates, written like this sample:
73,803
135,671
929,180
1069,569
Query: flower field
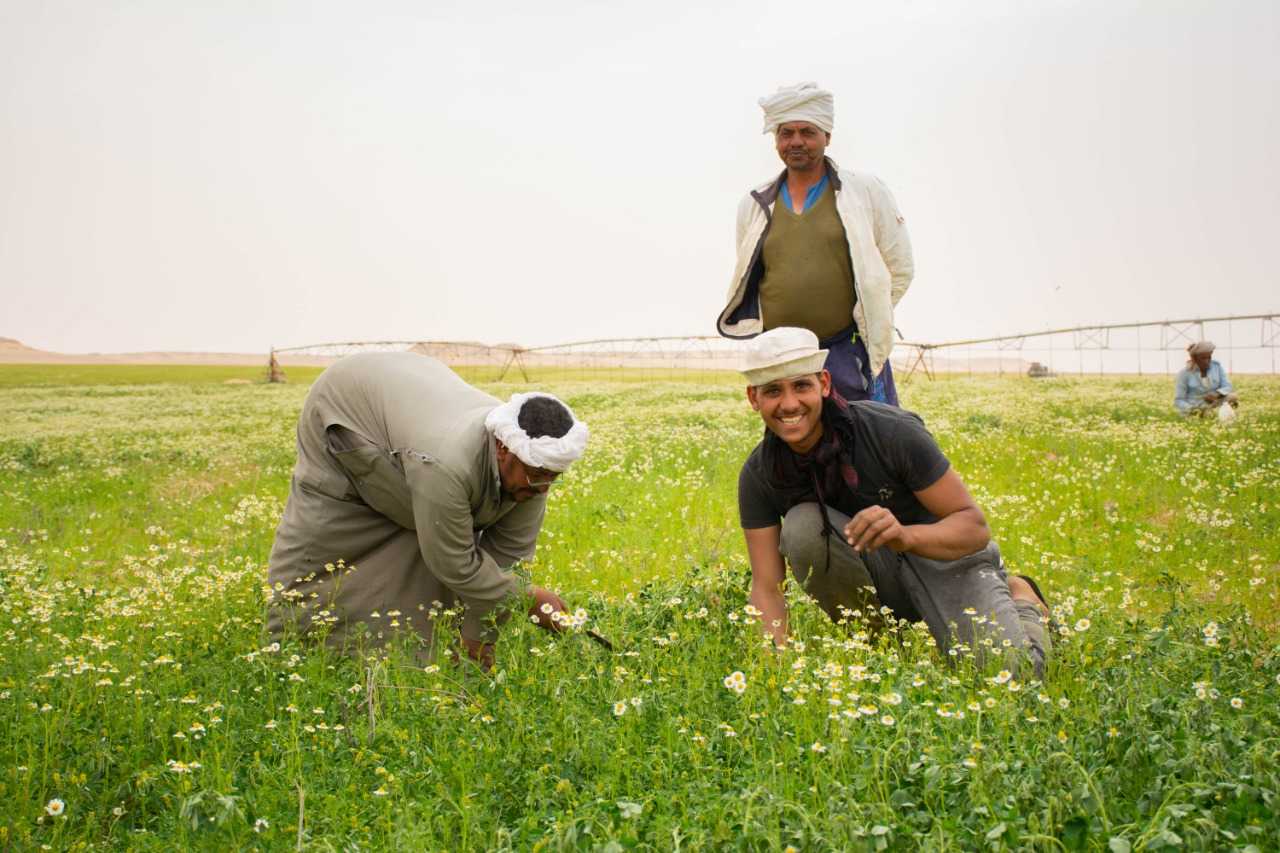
143,707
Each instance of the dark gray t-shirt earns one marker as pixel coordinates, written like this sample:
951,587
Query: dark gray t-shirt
893,454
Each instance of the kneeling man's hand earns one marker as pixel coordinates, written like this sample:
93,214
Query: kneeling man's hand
545,603
875,527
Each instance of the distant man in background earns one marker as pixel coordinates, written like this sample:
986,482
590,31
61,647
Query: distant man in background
822,249
415,492
1202,386
861,502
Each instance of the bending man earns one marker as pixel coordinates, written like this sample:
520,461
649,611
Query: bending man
414,492
859,499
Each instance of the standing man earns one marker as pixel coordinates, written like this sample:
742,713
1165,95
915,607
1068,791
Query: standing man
1202,386
861,502
821,248
413,492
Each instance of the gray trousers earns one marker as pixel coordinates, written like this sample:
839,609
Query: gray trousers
965,603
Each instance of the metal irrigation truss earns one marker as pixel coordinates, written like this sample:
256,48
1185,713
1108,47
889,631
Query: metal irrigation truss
1246,343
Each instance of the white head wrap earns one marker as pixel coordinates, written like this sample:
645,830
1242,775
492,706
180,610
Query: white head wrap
802,102
1200,348
553,454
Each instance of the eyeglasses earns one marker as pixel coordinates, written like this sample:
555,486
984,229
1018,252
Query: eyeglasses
544,481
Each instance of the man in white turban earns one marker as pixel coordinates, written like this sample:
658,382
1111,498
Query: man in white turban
821,248
1202,386
415,493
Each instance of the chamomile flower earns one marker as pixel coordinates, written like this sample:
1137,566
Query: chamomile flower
736,681
55,807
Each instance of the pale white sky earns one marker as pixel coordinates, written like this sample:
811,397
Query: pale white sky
235,175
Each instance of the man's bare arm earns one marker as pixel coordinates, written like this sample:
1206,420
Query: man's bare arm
768,571
961,527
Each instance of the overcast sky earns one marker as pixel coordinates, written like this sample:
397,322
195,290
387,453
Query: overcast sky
235,175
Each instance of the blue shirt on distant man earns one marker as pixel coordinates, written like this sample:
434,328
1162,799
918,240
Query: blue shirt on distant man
1202,386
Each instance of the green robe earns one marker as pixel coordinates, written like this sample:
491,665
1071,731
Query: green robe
396,507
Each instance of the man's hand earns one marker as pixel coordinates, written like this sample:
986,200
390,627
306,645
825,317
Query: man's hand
545,603
1212,397
874,527
480,652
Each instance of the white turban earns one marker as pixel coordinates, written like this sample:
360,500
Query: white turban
553,454
802,102
1200,348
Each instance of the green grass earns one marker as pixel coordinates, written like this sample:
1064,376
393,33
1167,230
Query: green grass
137,686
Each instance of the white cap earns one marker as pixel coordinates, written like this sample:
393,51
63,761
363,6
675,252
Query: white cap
781,353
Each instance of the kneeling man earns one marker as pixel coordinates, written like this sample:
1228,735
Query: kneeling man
414,491
1202,387
861,502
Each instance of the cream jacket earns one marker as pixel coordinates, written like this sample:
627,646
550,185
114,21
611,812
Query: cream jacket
878,246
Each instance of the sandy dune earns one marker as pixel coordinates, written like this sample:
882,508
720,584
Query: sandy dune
15,352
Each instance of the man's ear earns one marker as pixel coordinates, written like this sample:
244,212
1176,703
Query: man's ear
503,452
826,382
751,397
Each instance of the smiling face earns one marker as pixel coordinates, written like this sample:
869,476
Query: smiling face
791,408
801,145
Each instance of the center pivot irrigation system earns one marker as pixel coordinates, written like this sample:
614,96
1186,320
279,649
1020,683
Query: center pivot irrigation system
1246,343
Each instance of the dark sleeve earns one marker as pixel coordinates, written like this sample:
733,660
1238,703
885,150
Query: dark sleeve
918,461
756,504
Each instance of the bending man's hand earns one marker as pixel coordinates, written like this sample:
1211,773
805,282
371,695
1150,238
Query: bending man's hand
875,527
545,603
480,652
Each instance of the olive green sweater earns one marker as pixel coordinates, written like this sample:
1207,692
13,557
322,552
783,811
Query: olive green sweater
808,279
